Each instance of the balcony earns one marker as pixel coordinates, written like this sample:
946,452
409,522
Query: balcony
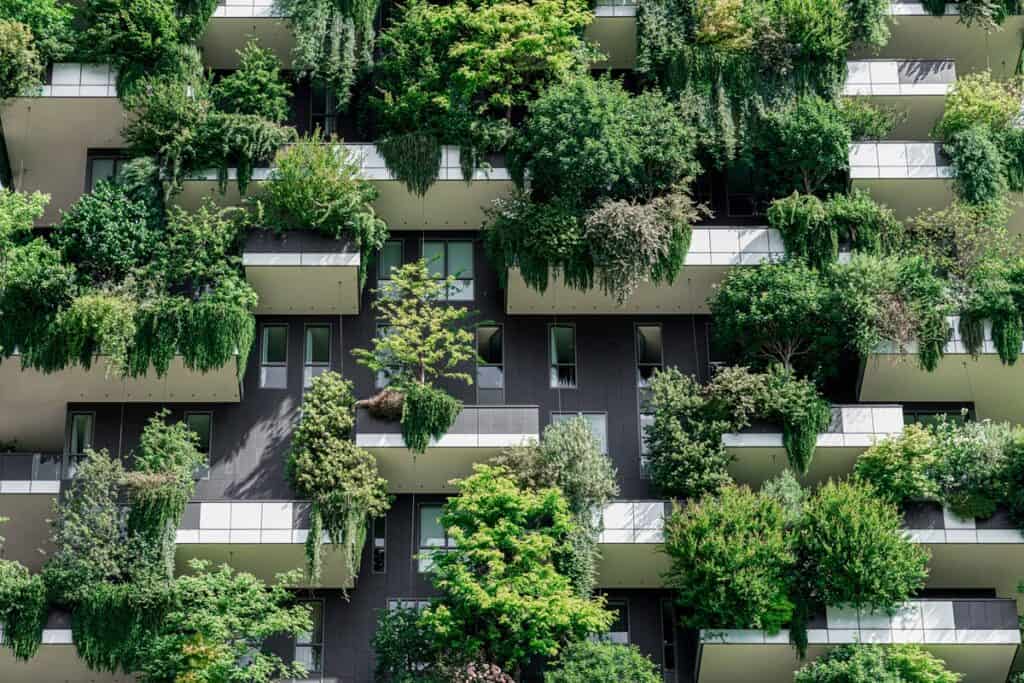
33,404
892,374
631,544
479,434
917,87
975,637
713,253
76,110
29,485
919,35
235,22
262,538
759,454
302,273
57,659
906,176
614,31
450,204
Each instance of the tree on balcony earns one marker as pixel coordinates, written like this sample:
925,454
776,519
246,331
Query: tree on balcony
588,661
864,663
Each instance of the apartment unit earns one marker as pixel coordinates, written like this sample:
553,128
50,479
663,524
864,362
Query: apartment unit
543,356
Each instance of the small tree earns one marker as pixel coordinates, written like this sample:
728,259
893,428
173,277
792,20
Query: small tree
898,467
501,594
50,22
424,343
588,661
20,64
256,87
862,663
339,478
18,212
570,458
731,561
23,609
853,552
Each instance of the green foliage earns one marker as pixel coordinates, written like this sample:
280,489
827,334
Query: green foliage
413,158
20,64
454,73
863,663
407,650
23,609
339,478
969,465
427,413
589,661
18,212
803,413
960,237
978,165
570,457
868,121
1013,477
852,551
731,561
813,229
50,22
501,594
994,293
897,467
320,187
334,40
256,87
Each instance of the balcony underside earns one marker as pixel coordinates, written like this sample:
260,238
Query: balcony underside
226,35
430,472
755,465
448,204
977,565
26,532
775,663
326,287
922,112
40,130
53,663
632,565
615,37
994,388
265,560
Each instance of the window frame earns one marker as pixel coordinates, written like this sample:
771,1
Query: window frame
203,471
264,346
118,156
584,414
308,365
554,365
449,296
382,379
91,414
640,381
422,557
314,643
381,275
382,546
501,366
624,602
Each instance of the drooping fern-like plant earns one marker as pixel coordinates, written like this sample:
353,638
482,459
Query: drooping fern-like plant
427,413
23,609
413,158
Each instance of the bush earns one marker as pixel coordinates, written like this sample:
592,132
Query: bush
897,467
1014,477
23,609
589,661
968,466
862,663
731,561
978,164
427,413
20,65
853,552
50,22
256,87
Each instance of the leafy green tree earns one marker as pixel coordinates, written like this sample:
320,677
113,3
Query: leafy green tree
732,562
897,467
978,165
23,608
214,629
588,661
50,23
339,478
406,650
18,212
501,594
863,663
969,465
425,342
20,64
256,87
852,551
570,458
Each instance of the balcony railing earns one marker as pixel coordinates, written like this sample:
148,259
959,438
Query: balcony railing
899,160
899,77
31,473
73,79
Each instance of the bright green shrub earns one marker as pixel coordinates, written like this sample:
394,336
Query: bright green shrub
978,165
427,413
18,213
256,87
969,465
863,663
588,661
23,609
50,22
20,64
897,467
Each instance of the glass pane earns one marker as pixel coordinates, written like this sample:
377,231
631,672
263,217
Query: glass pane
431,531
490,377
563,344
599,428
621,622
275,344
460,259
433,254
318,345
390,258
81,433
200,424
563,376
648,344
645,422
489,344
102,169
645,373
309,657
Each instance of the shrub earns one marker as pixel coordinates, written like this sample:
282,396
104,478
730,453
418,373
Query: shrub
50,22
978,99
968,466
589,661
405,649
20,64
731,561
256,87
802,412
959,238
427,413
1014,477
897,467
23,609
852,551
18,213
978,164
863,663
868,121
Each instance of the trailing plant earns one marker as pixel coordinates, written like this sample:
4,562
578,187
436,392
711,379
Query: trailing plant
23,609
20,64
339,478
443,77
520,606
320,187
256,87
334,40
978,165
897,467
994,293
852,551
570,457
426,342
413,158
867,663
802,412
594,661
731,563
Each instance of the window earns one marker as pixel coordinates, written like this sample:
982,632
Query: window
453,259
490,366
646,420
668,636
384,376
390,259
407,603
274,357
81,433
618,633
380,541
433,538
933,415
317,354
649,352
202,424
598,425
324,109
103,166
309,646
563,357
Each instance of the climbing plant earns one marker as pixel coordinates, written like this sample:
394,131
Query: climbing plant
23,609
